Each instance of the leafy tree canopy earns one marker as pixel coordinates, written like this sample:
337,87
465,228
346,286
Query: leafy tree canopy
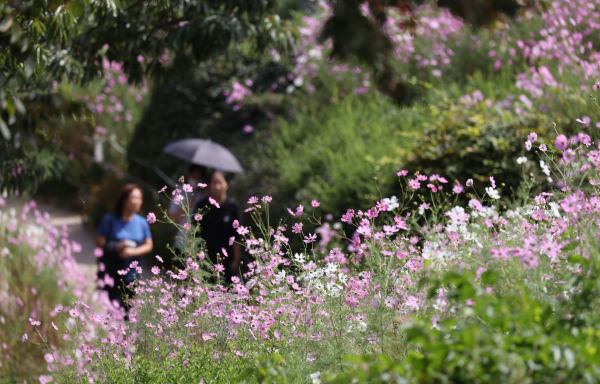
47,42
357,29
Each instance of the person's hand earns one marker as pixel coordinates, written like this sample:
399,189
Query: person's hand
126,252
121,246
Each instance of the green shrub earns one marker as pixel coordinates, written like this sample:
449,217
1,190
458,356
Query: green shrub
504,338
459,143
331,154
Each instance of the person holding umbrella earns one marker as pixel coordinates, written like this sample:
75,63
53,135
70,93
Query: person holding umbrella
218,226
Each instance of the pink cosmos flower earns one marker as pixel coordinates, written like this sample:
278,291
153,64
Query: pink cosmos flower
162,189
475,204
413,302
267,199
569,155
402,173
159,259
98,252
214,202
188,188
297,228
561,142
400,223
253,200
197,217
231,240
469,183
24,338
571,204
151,218
347,218
187,226
54,326
315,203
219,268
155,270
532,137
493,182
236,223
585,121
177,199
457,188
414,184
543,147
310,238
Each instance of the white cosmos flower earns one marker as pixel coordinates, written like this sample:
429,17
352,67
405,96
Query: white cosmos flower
521,160
469,236
545,168
554,208
299,258
315,377
493,193
392,203
331,269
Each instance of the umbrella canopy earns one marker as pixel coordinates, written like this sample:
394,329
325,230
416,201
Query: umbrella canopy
206,153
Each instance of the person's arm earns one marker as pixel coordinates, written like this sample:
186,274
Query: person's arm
237,256
102,233
129,252
100,241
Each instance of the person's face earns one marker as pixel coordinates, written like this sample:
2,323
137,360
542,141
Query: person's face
218,184
194,178
134,201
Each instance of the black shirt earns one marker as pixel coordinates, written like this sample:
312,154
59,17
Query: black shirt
217,228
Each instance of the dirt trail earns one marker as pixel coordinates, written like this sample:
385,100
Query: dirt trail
74,223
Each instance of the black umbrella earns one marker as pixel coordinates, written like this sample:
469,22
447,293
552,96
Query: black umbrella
204,152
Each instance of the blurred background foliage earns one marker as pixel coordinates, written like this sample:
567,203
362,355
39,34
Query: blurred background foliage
331,117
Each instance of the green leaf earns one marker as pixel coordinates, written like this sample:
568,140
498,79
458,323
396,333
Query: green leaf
4,130
489,277
574,259
5,24
570,247
76,8
19,105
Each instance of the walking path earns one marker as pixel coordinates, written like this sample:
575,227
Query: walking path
77,230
